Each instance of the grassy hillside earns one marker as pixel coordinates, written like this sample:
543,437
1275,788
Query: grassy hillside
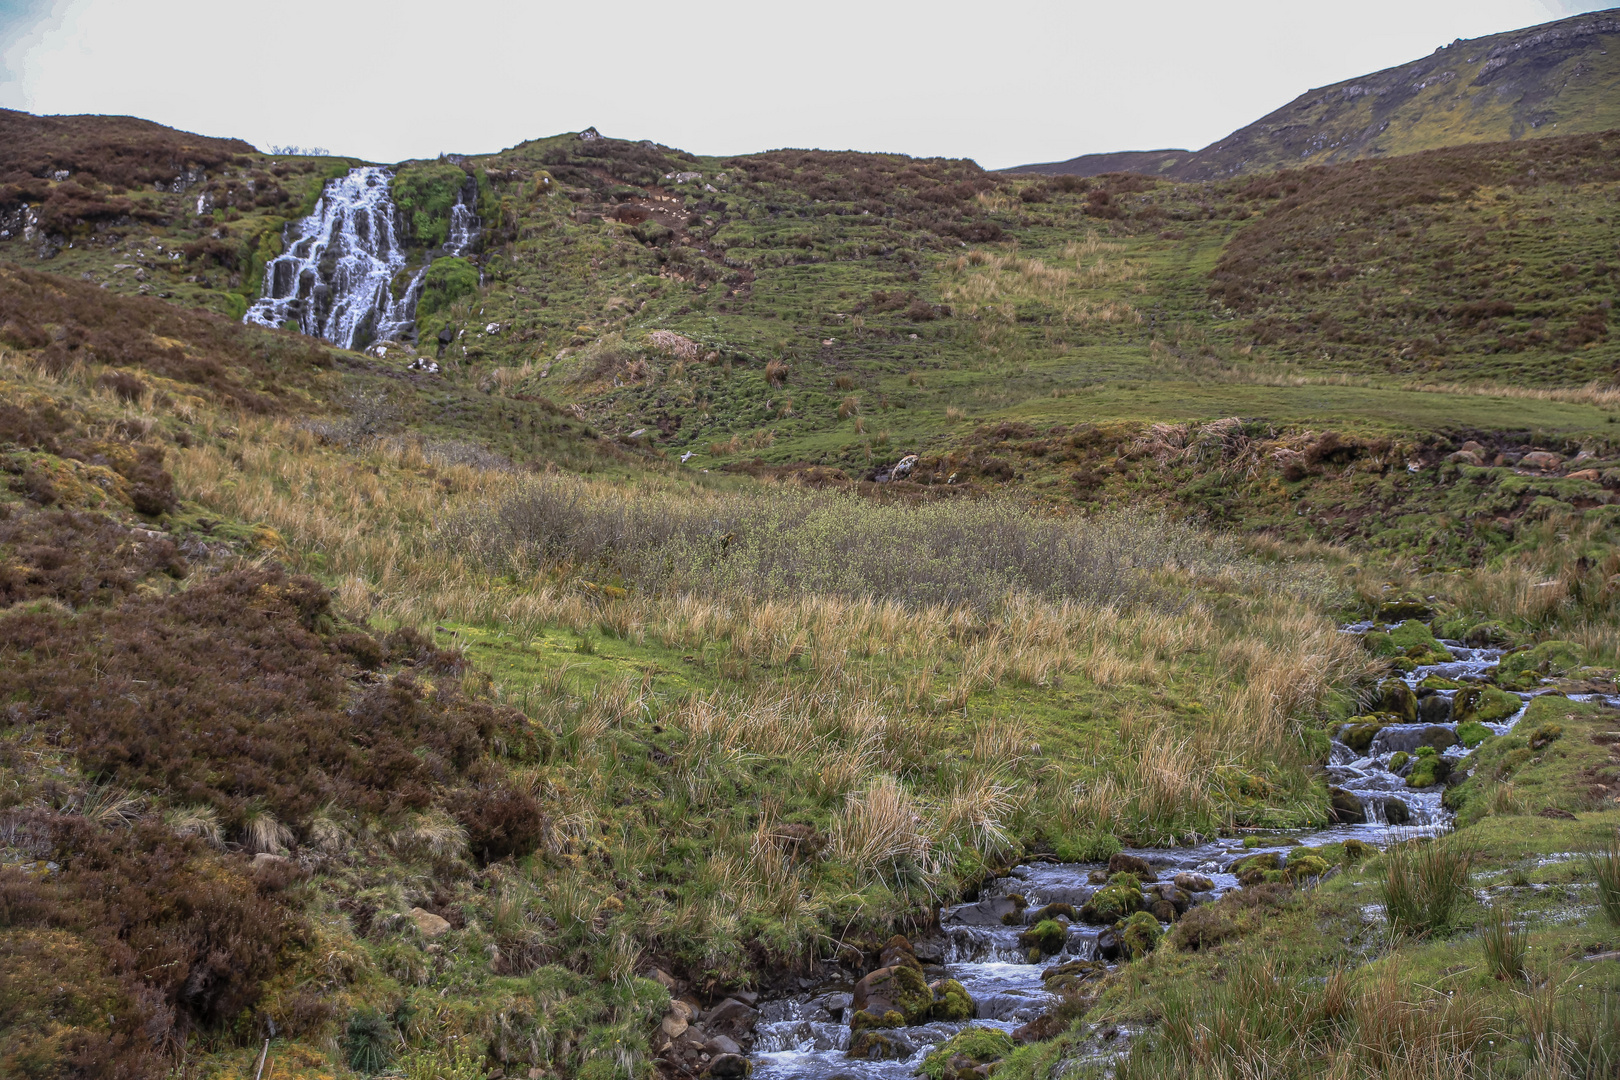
1559,78
447,725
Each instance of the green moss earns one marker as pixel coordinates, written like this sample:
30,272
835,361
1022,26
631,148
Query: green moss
1086,847
1048,935
424,194
1119,898
979,1045
1428,768
1140,935
1398,760
1360,732
952,1002
447,281
1301,867
1472,733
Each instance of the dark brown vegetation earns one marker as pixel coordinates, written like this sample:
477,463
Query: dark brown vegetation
121,152
1404,262
72,321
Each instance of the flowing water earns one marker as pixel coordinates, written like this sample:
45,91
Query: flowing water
336,279
805,1037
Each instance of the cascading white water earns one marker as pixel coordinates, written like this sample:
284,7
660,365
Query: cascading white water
335,280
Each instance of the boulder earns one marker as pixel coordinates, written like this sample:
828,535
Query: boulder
1198,882
1464,457
1396,812
1344,808
989,912
1359,732
1589,475
1161,910
674,1025
1178,898
730,1066
879,1046
891,994
429,924
1053,911
1398,699
897,952
1048,936
1545,460
722,1044
1140,935
1064,976
1434,709
1252,869
1043,1027
1401,608
1122,863
952,1002
1119,898
1109,946
1410,738
731,1015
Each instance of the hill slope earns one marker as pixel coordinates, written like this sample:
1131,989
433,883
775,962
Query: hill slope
1560,78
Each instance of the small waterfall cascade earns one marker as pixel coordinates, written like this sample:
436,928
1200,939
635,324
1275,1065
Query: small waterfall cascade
335,280
807,1036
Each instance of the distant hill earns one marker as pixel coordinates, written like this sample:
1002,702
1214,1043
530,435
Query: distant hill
1560,78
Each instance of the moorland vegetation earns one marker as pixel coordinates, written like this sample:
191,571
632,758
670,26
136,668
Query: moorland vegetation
451,724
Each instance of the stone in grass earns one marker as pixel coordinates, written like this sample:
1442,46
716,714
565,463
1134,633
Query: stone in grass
1485,703
1052,911
1139,935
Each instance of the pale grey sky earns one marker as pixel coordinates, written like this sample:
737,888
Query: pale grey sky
1033,80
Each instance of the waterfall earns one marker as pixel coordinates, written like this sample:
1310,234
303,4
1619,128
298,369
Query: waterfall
335,280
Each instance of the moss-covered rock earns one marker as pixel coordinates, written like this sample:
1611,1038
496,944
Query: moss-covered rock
1048,935
890,992
1428,768
1523,669
1300,867
1053,911
1439,682
952,1002
1359,733
1252,869
1472,733
1357,850
870,1045
1402,608
967,1049
1398,761
1545,734
1119,898
1486,703
1067,976
1489,635
1140,935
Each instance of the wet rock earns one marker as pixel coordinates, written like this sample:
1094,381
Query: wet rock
879,1046
989,912
952,1002
1053,911
1397,699
1065,976
1043,1027
1435,709
1411,738
1360,732
888,995
1344,808
1109,946
1194,883
1122,863
1119,898
1097,877
1396,812
729,1066
1047,935
929,952
1162,910
1178,898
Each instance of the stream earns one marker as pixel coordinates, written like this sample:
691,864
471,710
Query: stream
805,1037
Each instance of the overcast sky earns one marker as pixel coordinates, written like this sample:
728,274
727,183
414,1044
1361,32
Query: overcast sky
1003,84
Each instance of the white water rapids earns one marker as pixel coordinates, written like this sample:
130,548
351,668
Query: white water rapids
335,280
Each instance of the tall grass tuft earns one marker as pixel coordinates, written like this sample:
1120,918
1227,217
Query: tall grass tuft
1505,945
1424,883
1605,868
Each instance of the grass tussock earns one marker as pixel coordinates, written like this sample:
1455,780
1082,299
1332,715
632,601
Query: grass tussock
1424,883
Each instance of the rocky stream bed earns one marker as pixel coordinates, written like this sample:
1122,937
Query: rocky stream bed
1001,960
